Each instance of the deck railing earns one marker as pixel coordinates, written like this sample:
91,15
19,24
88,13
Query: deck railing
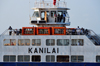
48,4
6,32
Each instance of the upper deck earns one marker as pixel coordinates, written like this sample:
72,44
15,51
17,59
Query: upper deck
45,13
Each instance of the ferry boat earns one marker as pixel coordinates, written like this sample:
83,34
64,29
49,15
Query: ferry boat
49,41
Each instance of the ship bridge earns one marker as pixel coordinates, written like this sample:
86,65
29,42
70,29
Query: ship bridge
48,15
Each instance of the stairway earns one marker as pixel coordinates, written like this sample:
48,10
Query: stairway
93,37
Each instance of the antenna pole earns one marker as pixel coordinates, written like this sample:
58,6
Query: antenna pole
29,12
64,3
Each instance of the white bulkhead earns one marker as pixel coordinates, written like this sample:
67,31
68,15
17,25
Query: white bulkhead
88,50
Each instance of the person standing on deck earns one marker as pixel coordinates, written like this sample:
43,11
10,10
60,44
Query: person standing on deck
61,17
64,18
10,30
78,30
55,15
58,18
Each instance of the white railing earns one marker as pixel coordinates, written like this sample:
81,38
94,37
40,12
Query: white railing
50,4
6,32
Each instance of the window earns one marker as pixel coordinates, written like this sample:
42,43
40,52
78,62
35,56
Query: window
36,14
9,58
36,58
60,12
23,58
50,58
50,42
77,58
42,15
36,42
62,42
43,31
59,31
62,58
23,42
9,42
77,42
29,31
97,58
48,13
52,13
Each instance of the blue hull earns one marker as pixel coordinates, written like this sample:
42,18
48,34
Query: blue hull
46,64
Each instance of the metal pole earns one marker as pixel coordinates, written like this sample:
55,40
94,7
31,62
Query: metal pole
58,3
70,50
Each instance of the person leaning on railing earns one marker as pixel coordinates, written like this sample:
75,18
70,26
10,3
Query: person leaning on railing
20,31
16,31
73,31
82,31
86,31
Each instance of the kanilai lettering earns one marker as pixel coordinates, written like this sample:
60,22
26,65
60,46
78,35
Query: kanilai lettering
43,50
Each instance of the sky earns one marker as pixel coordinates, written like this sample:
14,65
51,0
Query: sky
83,13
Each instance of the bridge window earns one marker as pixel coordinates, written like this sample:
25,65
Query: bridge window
98,59
23,42
60,12
48,13
77,58
62,58
50,58
36,58
77,42
9,58
9,42
50,42
36,42
36,14
42,15
23,58
62,42
53,13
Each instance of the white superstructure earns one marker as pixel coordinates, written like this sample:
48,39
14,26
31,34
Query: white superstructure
49,41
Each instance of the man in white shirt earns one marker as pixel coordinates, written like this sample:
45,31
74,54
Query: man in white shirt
78,30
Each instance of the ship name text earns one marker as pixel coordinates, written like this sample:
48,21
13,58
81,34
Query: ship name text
43,50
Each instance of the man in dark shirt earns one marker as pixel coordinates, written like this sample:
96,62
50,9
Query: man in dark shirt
10,30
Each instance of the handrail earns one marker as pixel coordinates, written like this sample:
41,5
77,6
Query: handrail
4,32
50,4
97,39
96,34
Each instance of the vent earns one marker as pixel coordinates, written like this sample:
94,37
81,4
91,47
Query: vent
42,21
33,21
